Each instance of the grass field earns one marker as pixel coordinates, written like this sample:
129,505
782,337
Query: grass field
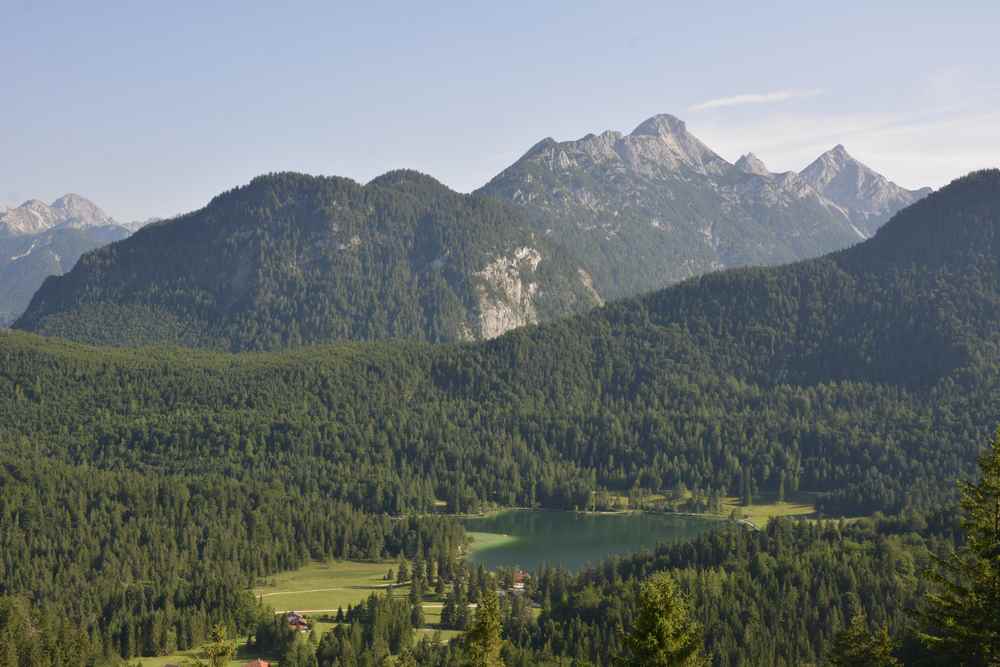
318,589
242,657
326,585
488,540
761,512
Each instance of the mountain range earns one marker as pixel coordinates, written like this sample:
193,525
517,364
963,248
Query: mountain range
69,211
608,216
868,377
657,206
292,259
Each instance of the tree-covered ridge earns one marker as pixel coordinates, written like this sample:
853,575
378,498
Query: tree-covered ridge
879,390
866,377
291,259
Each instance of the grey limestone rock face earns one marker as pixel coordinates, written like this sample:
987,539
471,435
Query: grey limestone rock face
656,206
868,198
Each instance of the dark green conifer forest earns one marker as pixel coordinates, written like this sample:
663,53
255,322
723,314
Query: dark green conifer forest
144,489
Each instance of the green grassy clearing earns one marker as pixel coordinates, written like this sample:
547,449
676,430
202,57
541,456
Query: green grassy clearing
326,585
242,657
760,513
319,586
482,541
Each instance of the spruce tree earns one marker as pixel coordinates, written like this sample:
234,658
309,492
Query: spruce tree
855,646
483,637
663,632
961,619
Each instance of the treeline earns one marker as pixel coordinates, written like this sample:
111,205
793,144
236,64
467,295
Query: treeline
775,597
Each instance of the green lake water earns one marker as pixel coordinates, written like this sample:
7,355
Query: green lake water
528,539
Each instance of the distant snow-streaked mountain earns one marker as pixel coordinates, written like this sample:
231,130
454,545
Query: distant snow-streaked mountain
38,240
27,260
34,216
657,206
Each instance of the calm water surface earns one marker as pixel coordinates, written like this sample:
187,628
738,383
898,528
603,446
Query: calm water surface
572,540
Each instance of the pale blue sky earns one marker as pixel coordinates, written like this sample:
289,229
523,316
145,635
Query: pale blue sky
153,108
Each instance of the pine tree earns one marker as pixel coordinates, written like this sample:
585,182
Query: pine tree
663,632
483,637
417,616
855,646
220,650
961,620
300,654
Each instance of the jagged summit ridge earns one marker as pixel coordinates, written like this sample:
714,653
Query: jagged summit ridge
751,164
658,205
35,216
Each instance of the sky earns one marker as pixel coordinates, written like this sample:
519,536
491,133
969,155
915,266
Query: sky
151,109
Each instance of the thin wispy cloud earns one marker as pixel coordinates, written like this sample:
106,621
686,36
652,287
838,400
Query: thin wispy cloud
757,98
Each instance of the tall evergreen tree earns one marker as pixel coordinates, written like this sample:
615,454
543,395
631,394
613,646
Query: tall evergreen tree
663,632
855,646
961,620
483,637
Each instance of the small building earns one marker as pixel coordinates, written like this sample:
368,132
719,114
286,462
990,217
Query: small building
297,622
258,663
520,578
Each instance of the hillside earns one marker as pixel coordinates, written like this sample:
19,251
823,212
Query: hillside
657,206
868,379
865,376
292,259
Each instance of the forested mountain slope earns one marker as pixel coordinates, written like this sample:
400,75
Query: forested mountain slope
865,376
291,259
869,377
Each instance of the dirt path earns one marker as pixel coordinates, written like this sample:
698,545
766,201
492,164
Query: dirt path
325,590
427,605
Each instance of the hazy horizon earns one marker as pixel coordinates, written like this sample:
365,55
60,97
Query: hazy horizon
152,111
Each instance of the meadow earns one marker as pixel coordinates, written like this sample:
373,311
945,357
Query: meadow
317,590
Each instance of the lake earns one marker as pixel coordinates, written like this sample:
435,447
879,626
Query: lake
529,538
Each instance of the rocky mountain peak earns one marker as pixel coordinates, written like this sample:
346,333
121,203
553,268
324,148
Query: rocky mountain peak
868,196
34,215
751,164
660,125
79,211
662,143
839,153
